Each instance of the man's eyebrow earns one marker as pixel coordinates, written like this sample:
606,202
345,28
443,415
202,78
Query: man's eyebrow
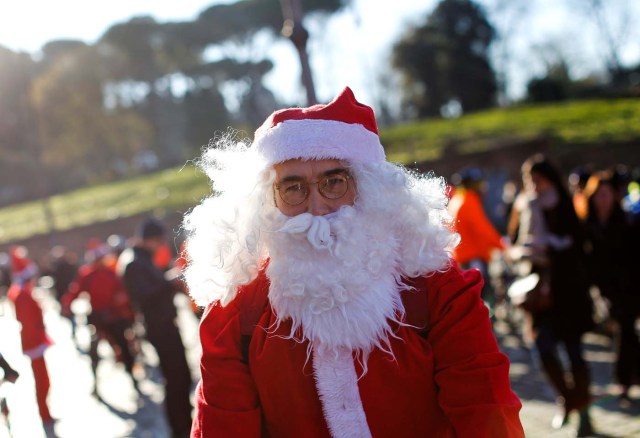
290,178
336,171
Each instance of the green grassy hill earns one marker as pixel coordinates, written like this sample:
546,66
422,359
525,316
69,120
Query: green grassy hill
172,189
567,122
181,188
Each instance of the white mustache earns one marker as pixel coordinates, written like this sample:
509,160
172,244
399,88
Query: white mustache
318,229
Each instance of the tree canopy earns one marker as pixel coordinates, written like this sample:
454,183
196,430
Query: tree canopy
84,113
150,92
445,61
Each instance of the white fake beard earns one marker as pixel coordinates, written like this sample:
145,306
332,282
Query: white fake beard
337,278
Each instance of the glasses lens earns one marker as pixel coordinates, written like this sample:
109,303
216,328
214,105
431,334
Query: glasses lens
293,193
334,186
331,187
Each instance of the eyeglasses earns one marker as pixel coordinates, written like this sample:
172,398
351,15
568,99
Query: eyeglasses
331,187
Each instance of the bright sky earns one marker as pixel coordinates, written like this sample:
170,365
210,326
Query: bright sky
364,33
348,50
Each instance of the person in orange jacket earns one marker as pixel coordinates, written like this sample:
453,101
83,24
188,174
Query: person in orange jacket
163,257
478,236
33,334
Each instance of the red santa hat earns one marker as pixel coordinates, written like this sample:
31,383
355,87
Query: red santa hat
343,129
22,268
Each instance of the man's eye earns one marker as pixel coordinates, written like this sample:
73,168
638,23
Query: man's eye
294,188
334,182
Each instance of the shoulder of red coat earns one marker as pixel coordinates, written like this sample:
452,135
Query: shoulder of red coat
449,274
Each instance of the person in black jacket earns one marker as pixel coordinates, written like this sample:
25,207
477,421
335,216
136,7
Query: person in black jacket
551,235
152,296
612,239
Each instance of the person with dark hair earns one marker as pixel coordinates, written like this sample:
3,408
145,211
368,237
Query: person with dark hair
551,240
63,267
621,177
333,307
152,296
612,239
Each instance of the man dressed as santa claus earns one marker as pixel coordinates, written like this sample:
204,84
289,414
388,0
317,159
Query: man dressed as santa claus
33,334
332,305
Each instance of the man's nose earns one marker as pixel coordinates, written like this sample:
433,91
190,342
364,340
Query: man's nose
317,204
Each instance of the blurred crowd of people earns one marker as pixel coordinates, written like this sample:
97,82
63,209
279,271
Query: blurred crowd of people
129,285
572,234
571,240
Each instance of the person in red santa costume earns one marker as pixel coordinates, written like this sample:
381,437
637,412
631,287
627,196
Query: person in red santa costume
111,314
333,307
33,334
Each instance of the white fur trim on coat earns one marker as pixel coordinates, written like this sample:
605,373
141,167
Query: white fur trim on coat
37,352
318,139
337,385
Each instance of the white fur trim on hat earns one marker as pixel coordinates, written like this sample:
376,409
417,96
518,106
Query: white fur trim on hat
316,139
25,274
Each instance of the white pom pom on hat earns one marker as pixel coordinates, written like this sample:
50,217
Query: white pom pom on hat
343,129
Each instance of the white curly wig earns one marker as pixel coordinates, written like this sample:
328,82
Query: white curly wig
226,243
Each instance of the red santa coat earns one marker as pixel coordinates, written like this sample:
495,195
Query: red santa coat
452,382
106,292
28,312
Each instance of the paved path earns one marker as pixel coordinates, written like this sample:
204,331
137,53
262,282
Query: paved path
609,418
122,413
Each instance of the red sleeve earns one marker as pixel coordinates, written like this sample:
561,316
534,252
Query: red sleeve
470,371
227,402
29,314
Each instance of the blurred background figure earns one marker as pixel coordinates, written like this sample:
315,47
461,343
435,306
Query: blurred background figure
577,181
153,297
33,334
111,317
5,278
631,202
550,240
63,267
117,243
621,178
176,274
8,373
612,256
163,257
479,238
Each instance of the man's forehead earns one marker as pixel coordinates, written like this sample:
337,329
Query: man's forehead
304,168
